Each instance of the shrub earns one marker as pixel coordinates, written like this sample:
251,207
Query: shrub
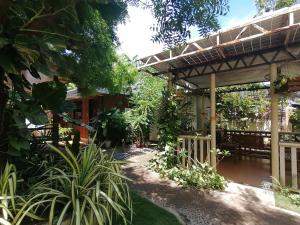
174,117
110,125
145,99
290,194
199,175
83,189
14,208
89,190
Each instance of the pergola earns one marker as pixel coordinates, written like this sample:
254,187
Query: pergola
249,53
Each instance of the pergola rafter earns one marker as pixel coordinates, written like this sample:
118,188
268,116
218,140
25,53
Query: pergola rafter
233,63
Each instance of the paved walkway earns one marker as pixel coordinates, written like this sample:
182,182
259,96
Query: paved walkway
238,205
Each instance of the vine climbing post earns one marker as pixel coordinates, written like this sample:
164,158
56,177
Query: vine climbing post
274,123
213,120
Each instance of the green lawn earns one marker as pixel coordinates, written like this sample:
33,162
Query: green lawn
147,213
285,203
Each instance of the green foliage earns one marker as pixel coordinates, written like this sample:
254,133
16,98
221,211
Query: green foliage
50,95
64,132
241,108
270,5
8,183
290,194
70,39
87,188
110,125
90,189
145,99
14,208
174,117
175,18
124,75
295,119
199,175
76,40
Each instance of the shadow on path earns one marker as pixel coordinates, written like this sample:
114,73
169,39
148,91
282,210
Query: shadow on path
205,207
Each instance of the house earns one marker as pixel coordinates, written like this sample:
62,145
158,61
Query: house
87,107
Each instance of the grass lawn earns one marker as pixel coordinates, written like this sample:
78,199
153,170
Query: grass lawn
285,203
147,213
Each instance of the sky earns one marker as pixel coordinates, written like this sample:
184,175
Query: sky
135,35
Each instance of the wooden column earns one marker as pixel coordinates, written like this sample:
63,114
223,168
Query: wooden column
274,124
55,123
170,82
197,112
213,119
85,119
202,116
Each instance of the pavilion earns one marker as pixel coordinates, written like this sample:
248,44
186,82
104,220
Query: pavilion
255,51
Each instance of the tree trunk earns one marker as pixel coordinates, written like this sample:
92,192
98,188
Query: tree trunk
3,134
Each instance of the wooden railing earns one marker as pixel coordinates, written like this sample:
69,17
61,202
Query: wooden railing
289,158
193,148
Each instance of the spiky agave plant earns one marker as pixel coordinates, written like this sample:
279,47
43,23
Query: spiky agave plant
8,183
89,190
13,208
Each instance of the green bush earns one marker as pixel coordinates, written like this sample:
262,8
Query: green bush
144,101
174,118
13,207
83,189
199,175
90,190
110,125
292,196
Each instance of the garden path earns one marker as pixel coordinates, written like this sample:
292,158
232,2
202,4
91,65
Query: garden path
237,205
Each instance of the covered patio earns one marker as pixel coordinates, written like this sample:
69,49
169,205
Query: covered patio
256,51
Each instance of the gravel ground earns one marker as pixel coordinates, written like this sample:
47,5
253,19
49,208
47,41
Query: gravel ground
237,205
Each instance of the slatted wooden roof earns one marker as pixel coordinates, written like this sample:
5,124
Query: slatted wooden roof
237,55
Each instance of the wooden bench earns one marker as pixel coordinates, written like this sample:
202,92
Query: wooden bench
248,143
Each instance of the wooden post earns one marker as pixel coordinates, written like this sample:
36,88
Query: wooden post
170,82
202,116
213,119
196,112
85,119
274,124
55,123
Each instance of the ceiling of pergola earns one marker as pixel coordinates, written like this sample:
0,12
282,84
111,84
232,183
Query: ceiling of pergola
241,54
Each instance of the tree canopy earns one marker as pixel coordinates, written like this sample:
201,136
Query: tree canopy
175,18
270,5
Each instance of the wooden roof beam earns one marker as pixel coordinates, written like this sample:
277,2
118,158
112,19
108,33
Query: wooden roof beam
259,28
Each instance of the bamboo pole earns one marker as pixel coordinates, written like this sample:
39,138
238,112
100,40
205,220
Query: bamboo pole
274,124
213,119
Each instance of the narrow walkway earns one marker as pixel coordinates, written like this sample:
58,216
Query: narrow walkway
238,205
